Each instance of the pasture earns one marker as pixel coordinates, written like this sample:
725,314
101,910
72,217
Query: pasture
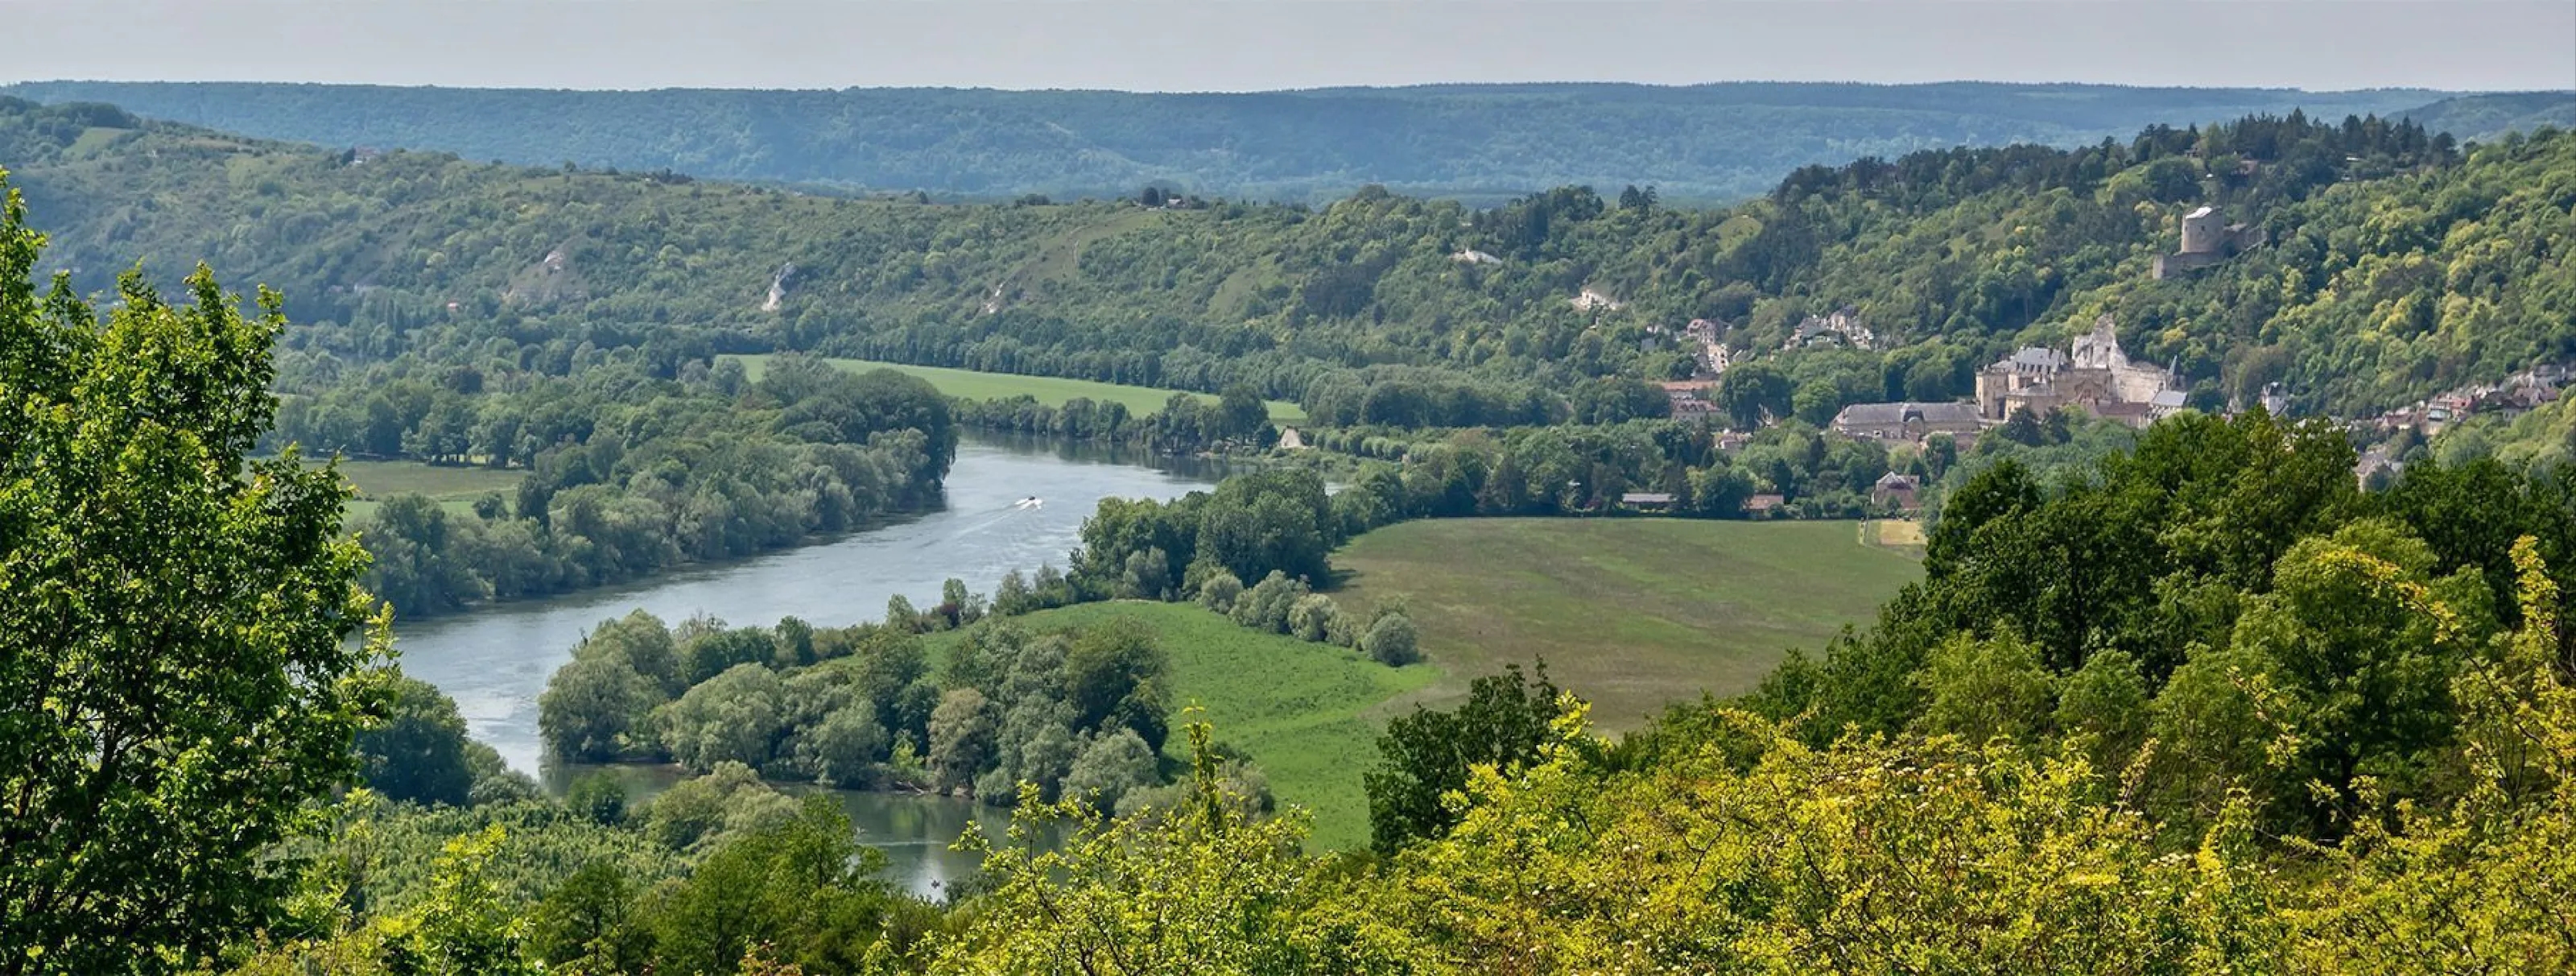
454,487
1053,391
1632,614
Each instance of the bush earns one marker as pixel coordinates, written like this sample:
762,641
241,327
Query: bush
1218,592
1312,617
1109,767
1265,607
1392,641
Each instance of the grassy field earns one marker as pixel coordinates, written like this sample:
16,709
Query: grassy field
1049,390
1308,713
1629,613
455,488
1902,535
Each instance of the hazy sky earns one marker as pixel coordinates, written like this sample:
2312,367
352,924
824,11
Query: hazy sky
1256,44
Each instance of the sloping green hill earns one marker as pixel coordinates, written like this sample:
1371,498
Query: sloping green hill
2396,265
1485,142
2488,117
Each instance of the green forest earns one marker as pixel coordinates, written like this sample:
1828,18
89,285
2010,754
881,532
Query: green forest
1478,142
2186,698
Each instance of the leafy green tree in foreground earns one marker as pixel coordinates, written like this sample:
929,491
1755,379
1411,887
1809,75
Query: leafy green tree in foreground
176,677
1428,755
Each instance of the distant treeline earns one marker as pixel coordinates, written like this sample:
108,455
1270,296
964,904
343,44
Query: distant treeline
1487,141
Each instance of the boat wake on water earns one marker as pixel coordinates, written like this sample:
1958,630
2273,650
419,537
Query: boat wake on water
1028,504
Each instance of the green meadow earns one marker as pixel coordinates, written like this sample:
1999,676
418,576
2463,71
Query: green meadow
454,487
1632,614
1050,390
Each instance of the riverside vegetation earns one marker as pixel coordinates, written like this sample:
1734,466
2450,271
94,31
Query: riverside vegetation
2192,702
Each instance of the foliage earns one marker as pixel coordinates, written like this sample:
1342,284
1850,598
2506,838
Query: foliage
1201,887
1425,757
185,655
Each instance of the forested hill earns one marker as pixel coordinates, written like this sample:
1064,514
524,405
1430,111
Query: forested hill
2398,264
1482,143
2486,117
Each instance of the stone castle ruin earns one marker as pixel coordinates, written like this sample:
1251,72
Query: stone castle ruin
2207,239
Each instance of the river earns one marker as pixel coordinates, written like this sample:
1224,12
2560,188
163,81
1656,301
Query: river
495,659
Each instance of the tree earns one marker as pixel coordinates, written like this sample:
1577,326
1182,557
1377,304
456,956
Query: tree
599,796
1115,675
798,884
1427,754
1241,412
176,673
594,709
1201,885
1753,392
961,737
1986,689
418,754
733,717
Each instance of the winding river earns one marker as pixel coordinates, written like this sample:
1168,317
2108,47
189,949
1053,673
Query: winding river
495,659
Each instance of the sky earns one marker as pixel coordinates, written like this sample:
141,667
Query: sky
1241,45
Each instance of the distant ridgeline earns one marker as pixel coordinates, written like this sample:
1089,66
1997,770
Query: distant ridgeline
1482,143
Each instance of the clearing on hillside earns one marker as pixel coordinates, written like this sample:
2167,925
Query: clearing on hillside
1050,390
454,487
1632,614
1308,713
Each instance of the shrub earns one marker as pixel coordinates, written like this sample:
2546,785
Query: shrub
1392,641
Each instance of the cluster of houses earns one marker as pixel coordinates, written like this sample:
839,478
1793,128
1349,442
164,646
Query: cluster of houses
2513,395
1842,328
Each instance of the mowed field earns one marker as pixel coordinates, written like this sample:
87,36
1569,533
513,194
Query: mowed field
1632,614
1308,713
1050,390
455,488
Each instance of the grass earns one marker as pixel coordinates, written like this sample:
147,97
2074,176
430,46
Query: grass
454,488
1050,390
1632,614
1902,536
1308,713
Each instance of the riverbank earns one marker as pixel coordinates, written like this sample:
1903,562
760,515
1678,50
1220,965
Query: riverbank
495,658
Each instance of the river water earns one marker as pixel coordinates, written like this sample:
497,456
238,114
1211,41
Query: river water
495,659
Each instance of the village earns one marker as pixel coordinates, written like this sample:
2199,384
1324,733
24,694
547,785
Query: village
2093,375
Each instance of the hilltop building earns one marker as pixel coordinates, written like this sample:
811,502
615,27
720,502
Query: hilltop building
2094,375
2207,239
